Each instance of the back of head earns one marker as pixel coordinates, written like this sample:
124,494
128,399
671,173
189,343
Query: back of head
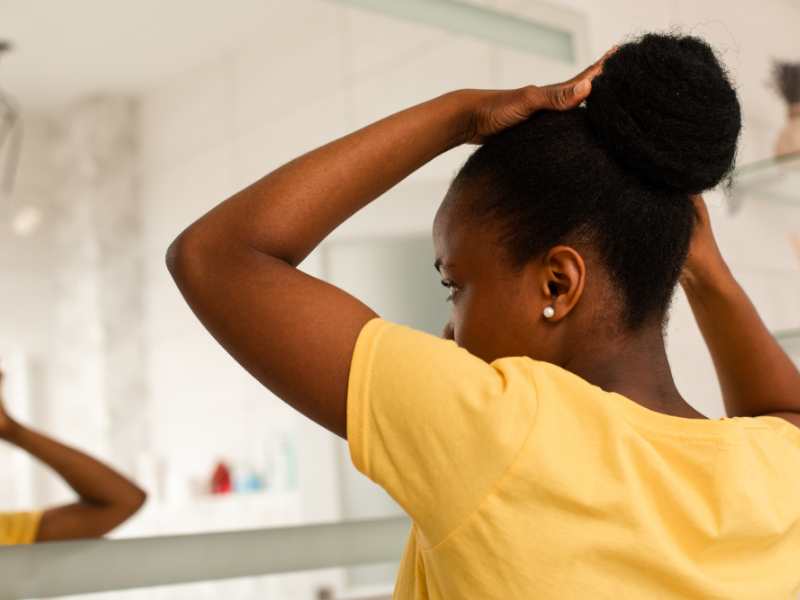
661,123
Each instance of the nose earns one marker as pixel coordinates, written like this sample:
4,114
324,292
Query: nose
448,333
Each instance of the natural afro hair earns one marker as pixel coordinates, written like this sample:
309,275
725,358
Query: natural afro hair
664,107
661,123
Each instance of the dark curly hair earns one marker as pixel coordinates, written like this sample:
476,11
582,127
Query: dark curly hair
661,122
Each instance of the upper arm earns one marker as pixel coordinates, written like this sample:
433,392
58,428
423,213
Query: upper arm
793,418
291,331
82,519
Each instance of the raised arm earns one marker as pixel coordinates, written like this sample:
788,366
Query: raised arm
236,266
756,375
106,498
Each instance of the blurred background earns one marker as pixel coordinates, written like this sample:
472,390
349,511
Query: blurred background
124,121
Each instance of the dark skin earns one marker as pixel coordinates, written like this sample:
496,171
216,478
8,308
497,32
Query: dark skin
237,267
105,498
497,311
756,375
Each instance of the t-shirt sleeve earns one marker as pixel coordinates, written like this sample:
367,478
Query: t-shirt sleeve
19,527
434,425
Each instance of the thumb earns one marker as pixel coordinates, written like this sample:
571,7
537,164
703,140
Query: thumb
581,89
568,95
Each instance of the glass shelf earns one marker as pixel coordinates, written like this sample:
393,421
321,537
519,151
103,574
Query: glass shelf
771,180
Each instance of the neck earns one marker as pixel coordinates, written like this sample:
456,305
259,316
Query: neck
636,367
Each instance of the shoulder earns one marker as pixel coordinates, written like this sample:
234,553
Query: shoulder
777,432
792,418
549,379
786,423
563,395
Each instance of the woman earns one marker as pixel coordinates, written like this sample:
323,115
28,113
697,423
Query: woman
543,451
106,499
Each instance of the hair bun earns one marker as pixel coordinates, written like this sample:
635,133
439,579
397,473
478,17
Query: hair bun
664,107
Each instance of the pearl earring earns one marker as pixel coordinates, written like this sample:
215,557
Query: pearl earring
549,312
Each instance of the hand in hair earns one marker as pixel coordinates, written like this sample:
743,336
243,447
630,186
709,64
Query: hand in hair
497,110
703,252
756,375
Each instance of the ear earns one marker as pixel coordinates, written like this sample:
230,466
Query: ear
563,279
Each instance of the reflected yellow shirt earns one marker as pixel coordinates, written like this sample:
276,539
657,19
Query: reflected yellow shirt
19,527
524,481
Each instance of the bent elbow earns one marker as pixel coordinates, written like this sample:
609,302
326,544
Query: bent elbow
138,501
184,256
132,504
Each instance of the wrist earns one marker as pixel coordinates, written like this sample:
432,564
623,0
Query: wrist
709,273
9,430
464,103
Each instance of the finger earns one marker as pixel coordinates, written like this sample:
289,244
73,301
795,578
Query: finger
698,201
564,96
700,209
595,68
567,95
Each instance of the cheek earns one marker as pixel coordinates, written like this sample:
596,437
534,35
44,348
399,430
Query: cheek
493,325
462,318
478,323
470,338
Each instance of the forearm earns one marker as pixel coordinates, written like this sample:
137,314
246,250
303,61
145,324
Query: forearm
93,481
289,211
756,375
236,265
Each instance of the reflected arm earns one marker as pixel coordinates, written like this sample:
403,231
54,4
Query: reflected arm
106,498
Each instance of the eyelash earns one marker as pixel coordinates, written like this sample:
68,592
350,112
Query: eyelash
450,286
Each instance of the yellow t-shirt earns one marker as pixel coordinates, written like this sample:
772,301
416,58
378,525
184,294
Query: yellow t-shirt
524,481
19,527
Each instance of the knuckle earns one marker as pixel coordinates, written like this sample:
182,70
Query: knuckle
561,97
532,95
